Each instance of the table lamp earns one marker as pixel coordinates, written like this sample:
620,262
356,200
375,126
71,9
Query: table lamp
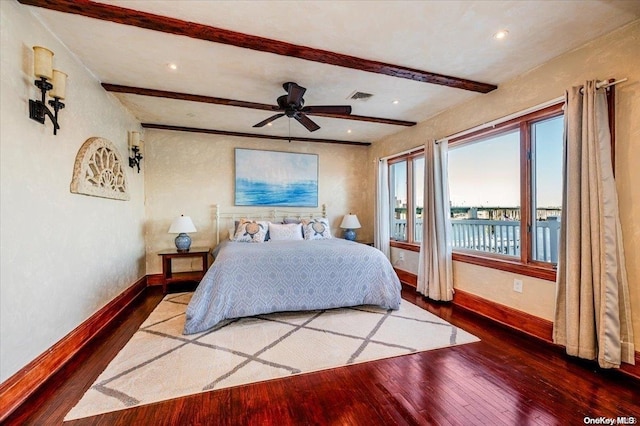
349,223
181,225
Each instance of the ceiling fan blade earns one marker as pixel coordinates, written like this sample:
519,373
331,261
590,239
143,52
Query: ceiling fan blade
268,120
306,122
328,109
294,93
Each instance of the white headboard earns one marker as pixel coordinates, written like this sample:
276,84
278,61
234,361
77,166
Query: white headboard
226,220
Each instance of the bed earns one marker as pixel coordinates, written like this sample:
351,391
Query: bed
288,274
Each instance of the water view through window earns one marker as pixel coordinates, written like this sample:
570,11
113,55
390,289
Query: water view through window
485,185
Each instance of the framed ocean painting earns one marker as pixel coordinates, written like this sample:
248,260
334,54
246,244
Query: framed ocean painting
274,178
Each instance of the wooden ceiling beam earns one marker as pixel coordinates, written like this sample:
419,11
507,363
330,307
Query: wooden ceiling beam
175,26
249,135
116,88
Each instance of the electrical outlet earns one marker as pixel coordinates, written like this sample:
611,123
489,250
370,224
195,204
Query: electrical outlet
401,256
517,286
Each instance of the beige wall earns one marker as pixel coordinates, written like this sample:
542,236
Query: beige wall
63,256
614,55
189,173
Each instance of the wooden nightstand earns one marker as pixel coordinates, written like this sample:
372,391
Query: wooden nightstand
365,242
168,277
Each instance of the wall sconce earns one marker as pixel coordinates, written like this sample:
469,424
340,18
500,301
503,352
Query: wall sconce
42,69
135,147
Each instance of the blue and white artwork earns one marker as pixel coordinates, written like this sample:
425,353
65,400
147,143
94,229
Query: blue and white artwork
272,178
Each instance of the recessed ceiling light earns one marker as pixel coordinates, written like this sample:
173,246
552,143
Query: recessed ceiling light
349,131
269,124
501,34
395,102
172,66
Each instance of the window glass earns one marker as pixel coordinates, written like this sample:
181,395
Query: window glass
546,178
484,190
418,197
398,199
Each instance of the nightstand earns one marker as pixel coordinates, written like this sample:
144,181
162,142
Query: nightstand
169,277
365,242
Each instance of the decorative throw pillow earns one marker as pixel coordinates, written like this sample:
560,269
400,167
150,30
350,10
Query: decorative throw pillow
292,231
316,229
251,231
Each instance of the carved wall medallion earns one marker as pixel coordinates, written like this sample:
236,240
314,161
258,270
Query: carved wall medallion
99,172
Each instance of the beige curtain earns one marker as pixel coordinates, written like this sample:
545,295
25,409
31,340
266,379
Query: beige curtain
592,318
435,276
382,215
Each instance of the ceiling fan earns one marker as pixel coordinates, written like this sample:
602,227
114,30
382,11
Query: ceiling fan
292,105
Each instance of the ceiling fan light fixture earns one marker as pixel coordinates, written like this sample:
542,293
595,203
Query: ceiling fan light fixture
291,105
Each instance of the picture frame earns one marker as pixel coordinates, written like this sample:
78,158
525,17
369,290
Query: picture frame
275,178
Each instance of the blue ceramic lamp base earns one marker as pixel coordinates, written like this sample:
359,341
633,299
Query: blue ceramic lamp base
183,242
350,235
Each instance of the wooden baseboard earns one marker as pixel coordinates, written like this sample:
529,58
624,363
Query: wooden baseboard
155,279
632,370
407,277
25,382
518,320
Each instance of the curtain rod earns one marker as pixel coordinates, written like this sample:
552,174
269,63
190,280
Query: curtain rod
608,83
600,85
604,84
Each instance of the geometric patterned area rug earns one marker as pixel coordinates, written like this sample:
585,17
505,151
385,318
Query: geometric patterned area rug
160,363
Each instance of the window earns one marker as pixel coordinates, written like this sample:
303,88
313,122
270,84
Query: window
406,195
505,186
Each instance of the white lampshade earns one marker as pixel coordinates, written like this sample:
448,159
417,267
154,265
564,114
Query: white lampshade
350,221
182,224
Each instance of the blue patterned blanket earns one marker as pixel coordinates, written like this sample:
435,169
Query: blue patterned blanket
249,279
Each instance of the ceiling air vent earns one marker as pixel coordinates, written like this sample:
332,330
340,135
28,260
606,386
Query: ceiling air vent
360,96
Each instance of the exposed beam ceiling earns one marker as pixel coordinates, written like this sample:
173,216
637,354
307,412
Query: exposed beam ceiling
218,35
243,104
183,64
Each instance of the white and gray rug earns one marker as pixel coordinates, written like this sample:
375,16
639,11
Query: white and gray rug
160,363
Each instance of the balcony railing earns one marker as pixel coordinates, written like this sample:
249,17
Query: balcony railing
494,236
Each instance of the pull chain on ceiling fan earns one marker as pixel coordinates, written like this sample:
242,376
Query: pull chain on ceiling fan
292,105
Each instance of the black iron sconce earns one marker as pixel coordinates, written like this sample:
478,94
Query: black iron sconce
135,147
50,80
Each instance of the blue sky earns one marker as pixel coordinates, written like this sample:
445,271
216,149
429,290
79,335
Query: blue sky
488,173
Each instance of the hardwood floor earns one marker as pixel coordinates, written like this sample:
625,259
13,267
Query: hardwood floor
506,379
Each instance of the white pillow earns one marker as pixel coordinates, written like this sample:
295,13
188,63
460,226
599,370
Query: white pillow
289,231
251,231
316,229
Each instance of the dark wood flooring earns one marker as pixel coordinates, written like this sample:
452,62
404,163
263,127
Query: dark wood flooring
506,379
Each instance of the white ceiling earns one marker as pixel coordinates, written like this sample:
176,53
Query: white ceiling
454,38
